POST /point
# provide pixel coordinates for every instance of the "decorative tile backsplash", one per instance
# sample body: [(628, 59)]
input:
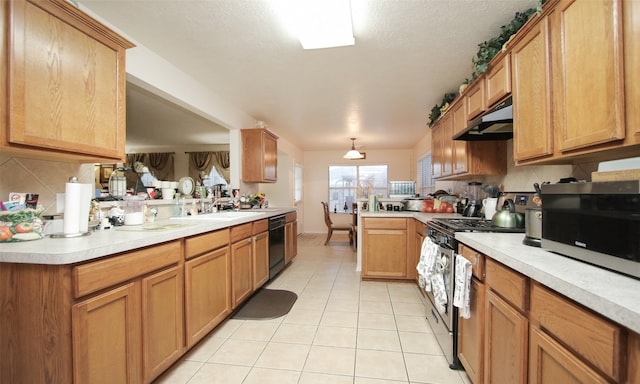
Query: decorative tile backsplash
[(45, 178)]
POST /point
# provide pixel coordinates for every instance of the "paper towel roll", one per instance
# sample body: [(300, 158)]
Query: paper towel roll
[(72, 196), (77, 203)]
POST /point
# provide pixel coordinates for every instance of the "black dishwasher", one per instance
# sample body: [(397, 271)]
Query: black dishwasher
[(276, 245)]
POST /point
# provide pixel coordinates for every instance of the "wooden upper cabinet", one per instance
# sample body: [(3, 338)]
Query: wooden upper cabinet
[(459, 148), (475, 98), (532, 124), (631, 22), (588, 74), (498, 80), (65, 76), (259, 156), (447, 145), (437, 136)]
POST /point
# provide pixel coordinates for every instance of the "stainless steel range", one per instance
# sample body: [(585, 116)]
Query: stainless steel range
[(443, 317)]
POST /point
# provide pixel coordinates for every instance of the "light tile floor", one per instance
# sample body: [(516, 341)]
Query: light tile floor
[(340, 330)]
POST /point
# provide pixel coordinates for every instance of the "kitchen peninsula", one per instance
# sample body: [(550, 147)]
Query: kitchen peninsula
[(122, 305)]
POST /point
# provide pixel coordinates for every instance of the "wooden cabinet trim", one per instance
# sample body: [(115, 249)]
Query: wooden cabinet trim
[(260, 226), (384, 223), (597, 340), (509, 284), (242, 231), (199, 244), (93, 276), (549, 360), (476, 259)]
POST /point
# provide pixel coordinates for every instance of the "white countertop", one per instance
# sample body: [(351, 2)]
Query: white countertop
[(119, 239), (613, 295)]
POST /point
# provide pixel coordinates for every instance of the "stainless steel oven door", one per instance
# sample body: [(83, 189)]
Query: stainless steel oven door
[(443, 318)]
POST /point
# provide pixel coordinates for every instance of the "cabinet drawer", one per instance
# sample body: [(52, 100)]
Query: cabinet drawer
[(260, 226), (508, 283), (475, 258), (293, 216), (594, 338), (200, 244), (94, 276), (241, 231), (384, 223)]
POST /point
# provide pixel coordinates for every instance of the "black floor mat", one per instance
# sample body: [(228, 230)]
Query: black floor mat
[(267, 304)]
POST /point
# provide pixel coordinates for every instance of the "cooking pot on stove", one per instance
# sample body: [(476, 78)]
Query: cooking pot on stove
[(508, 217)]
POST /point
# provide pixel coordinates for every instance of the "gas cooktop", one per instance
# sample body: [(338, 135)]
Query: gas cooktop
[(473, 224)]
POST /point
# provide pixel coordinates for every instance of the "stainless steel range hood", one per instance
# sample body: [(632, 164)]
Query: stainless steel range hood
[(495, 124)]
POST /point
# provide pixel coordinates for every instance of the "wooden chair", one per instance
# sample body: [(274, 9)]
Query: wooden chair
[(333, 227)]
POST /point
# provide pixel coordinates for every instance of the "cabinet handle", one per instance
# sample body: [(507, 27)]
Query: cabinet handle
[(249, 240)]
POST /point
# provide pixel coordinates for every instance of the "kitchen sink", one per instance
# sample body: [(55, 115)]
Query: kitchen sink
[(221, 216)]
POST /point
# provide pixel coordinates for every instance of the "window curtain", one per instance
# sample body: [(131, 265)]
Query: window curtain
[(161, 165), (205, 161)]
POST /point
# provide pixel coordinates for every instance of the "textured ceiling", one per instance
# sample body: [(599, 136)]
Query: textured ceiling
[(408, 53)]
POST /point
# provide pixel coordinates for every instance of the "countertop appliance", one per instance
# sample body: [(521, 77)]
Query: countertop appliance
[(596, 222), (276, 245), (495, 124)]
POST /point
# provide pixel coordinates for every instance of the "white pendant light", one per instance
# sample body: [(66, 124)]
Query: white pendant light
[(353, 154)]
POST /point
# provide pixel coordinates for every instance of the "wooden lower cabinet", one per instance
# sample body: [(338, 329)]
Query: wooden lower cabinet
[(550, 362), (505, 342), (241, 270), (384, 243), (418, 238), (207, 293), (260, 263), (107, 337), (633, 358), (290, 237), (471, 334), (162, 321)]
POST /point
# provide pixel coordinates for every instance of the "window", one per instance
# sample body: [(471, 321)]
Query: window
[(350, 182), (297, 194), (426, 184)]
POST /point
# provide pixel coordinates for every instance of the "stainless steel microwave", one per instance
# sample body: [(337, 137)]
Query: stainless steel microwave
[(597, 222)]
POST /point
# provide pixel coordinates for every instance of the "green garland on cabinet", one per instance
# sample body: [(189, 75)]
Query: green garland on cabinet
[(486, 52)]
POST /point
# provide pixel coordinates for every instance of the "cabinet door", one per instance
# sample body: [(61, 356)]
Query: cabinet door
[(532, 120), (384, 253), (241, 271), (550, 363), (505, 342), (259, 156), (471, 335), (459, 148), (447, 145), (498, 80), (66, 82), (260, 259), (162, 321), (437, 135), (588, 88), (475, 98), (107, 337), (418, 238), (631, 14), (633, 365), (207, 293)]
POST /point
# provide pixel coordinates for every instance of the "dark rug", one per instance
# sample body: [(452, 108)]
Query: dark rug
[(266, 304)]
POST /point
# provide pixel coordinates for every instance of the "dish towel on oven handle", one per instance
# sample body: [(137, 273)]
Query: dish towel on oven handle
[(427, 265), (462, 286)]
